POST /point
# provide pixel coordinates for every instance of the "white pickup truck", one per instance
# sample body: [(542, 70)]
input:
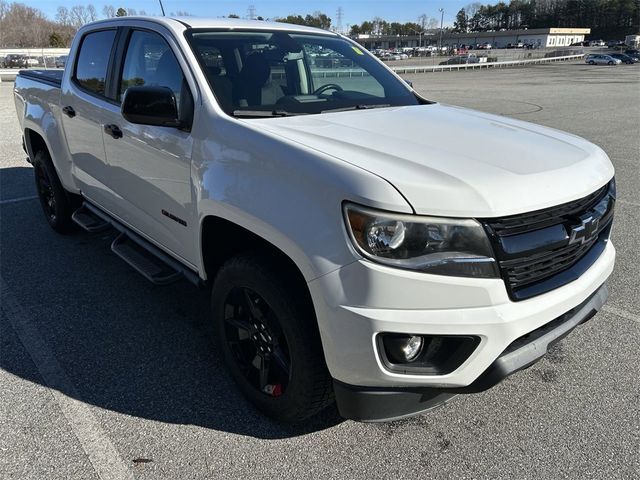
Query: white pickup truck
[(356, 247)]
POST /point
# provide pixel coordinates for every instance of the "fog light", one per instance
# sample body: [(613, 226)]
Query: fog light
[(425, 354), (403, 348)]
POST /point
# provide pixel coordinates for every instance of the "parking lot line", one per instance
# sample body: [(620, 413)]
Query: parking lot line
[(621, 313), (19, 199), (628, 202), (106, 461)]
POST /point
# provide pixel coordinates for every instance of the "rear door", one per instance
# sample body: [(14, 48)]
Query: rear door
[(83, 102), (150, 166)]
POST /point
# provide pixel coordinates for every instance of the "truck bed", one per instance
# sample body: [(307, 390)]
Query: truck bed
[(52, 77)]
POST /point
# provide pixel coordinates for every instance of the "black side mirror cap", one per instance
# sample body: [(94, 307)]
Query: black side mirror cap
[(151, 106)]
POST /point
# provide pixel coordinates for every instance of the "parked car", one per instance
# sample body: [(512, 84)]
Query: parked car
[(33, 62), (628, 59), (61, 61), (602, 60), (347, 257), (461, 59), (2, 65), (633, 52), (15, 61)]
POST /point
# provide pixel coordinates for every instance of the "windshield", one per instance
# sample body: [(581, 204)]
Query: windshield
[(276, 73)]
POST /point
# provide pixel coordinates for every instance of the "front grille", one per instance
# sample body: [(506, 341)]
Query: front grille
[(542, 218), (545, 249)]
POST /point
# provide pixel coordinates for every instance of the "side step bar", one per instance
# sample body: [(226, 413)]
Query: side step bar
[(88, 221), (147, 264), (147, 259)]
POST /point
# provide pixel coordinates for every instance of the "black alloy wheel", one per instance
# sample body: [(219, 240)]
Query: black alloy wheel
[(57, 204), (45, 193), (267, 335), (255, 338)]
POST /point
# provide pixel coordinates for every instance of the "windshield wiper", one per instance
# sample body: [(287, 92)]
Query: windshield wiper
[(363, 106), (264, 113)]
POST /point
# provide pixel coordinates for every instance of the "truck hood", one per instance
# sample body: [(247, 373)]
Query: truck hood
[(453, 161)]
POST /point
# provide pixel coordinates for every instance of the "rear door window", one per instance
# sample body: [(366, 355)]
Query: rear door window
[(93, 61)]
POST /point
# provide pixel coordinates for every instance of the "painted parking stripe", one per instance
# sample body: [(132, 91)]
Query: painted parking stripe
[(621, 313), (105, 459), (17, 200)]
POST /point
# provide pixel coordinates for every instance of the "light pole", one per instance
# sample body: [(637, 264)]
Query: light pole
[(441, 10), (419, 37)]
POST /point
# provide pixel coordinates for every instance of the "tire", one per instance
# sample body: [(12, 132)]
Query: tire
[(592, 62), (257, 306), (57, 204), (610, 63)]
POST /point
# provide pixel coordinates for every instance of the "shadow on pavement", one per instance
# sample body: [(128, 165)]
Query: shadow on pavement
[(126, 345)]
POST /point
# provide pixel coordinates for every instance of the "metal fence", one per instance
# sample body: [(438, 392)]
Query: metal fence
[(476, 66), (10, 74)]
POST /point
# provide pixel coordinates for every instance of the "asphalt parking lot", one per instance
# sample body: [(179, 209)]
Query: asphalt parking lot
[(103, 375)]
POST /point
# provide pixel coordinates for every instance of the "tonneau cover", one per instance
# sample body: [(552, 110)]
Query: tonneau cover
[(52, 77)]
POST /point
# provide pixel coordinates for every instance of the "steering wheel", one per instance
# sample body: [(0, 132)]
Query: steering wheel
[(328, 86)]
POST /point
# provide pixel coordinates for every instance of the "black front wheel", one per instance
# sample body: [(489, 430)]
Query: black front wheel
[(57, 204), (267, 334)]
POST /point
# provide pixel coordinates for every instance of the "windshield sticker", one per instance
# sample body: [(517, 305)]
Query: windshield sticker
[(357, 50)]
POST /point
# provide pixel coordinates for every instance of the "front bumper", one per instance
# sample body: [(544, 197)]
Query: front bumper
[(360, 300), (379, 404)]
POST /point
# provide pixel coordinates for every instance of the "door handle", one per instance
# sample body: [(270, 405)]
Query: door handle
[(69, 111), (113, 130)]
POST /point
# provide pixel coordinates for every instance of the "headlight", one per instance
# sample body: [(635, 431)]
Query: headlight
[(441, 246)]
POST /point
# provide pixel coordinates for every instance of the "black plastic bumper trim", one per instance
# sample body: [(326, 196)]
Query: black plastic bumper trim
[(369, 404), (379, 404)]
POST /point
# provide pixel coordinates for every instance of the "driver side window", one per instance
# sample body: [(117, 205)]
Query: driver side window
[(149, 61), (330, 67)]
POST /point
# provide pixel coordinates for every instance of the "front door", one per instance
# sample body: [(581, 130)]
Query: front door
[(150, 166)]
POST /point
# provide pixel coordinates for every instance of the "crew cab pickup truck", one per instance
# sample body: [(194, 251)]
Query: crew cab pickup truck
[(355, 249)]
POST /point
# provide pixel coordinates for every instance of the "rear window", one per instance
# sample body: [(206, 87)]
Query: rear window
[(93, 61)]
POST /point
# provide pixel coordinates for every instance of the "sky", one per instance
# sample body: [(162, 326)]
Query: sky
[(354, 11)]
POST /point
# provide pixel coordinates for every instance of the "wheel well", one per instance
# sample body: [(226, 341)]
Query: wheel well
[(222, 239), (34, 143)]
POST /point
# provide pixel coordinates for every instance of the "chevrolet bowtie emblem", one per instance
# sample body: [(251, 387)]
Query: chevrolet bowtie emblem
[(586, 230)]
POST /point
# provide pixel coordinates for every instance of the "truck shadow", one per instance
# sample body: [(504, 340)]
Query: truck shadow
[(126, 345)]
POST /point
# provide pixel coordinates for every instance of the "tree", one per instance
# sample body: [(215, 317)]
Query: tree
[(293, 19), (109, 11), (80, 15), (91, 13), (63, 17), (121, 12), (461, 24), (318, 20), (233, 15), (56, 40)]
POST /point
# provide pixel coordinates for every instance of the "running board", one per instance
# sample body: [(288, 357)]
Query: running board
[(147, 259), (88, 221), (149, 265)]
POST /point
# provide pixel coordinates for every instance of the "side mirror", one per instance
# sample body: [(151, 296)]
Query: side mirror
[(151, 106)]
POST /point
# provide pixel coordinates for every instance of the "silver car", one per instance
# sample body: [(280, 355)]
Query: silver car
[(602, 60)]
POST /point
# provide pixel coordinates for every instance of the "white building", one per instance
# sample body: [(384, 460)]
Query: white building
[(632, 40), (540, 37)]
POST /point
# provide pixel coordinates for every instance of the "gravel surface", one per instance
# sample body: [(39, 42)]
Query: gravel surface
[(96, 365)]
